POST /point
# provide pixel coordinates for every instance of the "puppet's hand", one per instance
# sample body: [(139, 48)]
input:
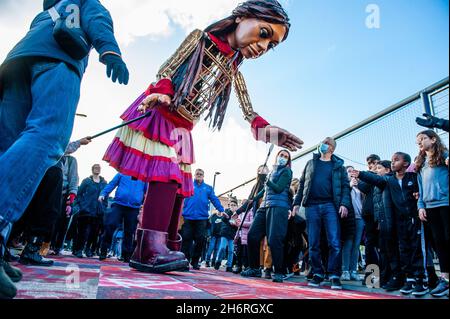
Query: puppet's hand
[(153, 99), (282, 138)]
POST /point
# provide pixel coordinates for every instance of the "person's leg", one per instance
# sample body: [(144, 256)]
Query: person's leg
[(347, 247), (175, 240), (221, 252), (244, 256), (188, 238), (199, 240), (212, 245), (353, 265), (255, 236), (230, 244), (332, 228), (33, 132), (61, 227), (129, 228), (314, 225), (45, 205), (276, 228), (82, 234), (112, 221), (371, 241)]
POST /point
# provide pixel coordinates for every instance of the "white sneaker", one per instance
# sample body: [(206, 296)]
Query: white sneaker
[(345, 276)]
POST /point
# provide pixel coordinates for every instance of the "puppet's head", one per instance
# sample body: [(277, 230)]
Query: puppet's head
[(254, 27)]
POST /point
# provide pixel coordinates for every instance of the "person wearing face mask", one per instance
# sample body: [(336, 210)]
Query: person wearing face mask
[(272, 220), (325, 193)]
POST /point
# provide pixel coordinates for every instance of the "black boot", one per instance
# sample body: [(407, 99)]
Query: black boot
[(103, 254), (7, 288), (14, 273), (31, 256)]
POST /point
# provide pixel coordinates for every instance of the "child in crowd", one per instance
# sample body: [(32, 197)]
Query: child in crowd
[(432, 169), (403, 188)]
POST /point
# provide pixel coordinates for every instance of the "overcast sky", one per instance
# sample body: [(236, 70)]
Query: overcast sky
[(332, 72)]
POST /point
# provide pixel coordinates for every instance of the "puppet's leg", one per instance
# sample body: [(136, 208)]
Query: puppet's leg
[(151, 253), (175, 239)]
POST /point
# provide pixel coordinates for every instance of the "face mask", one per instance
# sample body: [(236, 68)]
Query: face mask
[(323, 148), (282, 161)]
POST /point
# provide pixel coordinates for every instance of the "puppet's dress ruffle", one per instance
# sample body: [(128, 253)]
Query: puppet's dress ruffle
[(158, 148)]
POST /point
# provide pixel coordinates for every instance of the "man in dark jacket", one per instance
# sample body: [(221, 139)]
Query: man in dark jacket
[(90, 212), (325, 193), (128, 200), (196, 214)]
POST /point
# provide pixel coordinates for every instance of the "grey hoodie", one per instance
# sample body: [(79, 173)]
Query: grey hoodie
[(433, 186)]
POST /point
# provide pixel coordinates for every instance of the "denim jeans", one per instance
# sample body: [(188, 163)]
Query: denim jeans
[(224, 243), (213, 249), (326, 215), (37, 111), (350, 248)]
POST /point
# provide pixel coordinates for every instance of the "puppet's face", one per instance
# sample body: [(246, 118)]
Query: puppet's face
[(254, 37)]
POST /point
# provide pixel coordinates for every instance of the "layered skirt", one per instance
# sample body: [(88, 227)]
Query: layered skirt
[(158, 148)]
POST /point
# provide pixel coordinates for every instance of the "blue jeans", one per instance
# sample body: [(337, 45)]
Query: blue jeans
[(325, 214), (213, 248), (350, 248), (224, 243), (37, 111)]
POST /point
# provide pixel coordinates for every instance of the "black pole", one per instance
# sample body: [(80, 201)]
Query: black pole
[(252, 195), (121, 125)]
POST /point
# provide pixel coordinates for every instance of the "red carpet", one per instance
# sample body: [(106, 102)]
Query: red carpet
[(73, 278)]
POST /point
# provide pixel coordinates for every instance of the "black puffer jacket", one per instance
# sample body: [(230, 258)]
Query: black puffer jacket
[(341, 184), (382, 203), (402, 200), (341, 192)]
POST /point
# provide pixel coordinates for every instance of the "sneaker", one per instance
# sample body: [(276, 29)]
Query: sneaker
[(408, 287), (277, 278), (79, 254), (336, 284), (229, 269), (354, 276), (251, 272), (394, 284), (316, 281), (441, 290), (267, 273), (288, 275), (217, 265), (207, 264), (238, 270), (310, 276), (420, 289), (196, 267), (345, 276)]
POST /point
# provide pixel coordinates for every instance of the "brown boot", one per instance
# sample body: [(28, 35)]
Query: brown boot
[(152, 255)]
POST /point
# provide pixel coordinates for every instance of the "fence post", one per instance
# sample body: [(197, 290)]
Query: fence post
[(426, 103)]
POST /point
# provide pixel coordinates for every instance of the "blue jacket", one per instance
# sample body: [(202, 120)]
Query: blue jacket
[(95, 20), (196, 206), (130, 193)]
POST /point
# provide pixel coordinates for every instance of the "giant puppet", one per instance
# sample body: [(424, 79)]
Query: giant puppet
[(197, 79)]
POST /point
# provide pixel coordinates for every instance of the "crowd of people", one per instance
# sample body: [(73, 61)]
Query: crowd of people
[(316, 220), (397, 211)]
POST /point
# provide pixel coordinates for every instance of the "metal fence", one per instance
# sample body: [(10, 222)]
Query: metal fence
[(391, 130)]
